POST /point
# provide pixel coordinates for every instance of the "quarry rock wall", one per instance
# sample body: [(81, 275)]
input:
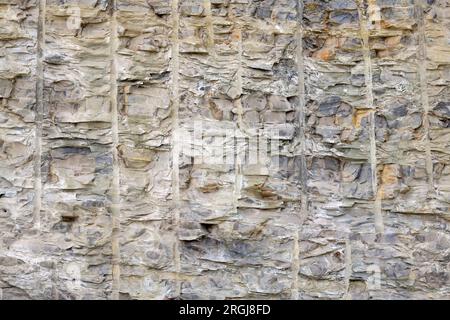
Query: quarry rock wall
[(224, 149)]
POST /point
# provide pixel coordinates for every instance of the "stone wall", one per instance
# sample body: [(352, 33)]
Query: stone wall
[(270, 149)]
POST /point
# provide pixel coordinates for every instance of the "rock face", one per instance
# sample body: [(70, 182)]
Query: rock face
[(163, 149)]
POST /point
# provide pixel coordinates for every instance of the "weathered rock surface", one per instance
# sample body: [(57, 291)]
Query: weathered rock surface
[(114, 115)]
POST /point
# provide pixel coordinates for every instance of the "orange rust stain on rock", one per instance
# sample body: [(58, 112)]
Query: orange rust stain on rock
[(358, 115), (389, 180), (328, 51), (324, 54), (390, 174)]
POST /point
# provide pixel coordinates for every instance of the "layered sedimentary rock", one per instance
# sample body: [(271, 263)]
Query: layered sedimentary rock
[(224, 149)]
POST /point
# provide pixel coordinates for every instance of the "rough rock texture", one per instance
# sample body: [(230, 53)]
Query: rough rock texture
[(103, 195)]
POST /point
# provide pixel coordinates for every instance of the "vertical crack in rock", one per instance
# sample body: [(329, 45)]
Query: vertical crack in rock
[(302, 142), (175, 69), (422, 66), (368, 75), (115, 208), (39, 115), (348, 267), (210, 27), (301, 116), (240, 122), (296, 266), (236, 93)]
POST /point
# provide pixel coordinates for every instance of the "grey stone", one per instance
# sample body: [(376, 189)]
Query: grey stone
[(322, 164)]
